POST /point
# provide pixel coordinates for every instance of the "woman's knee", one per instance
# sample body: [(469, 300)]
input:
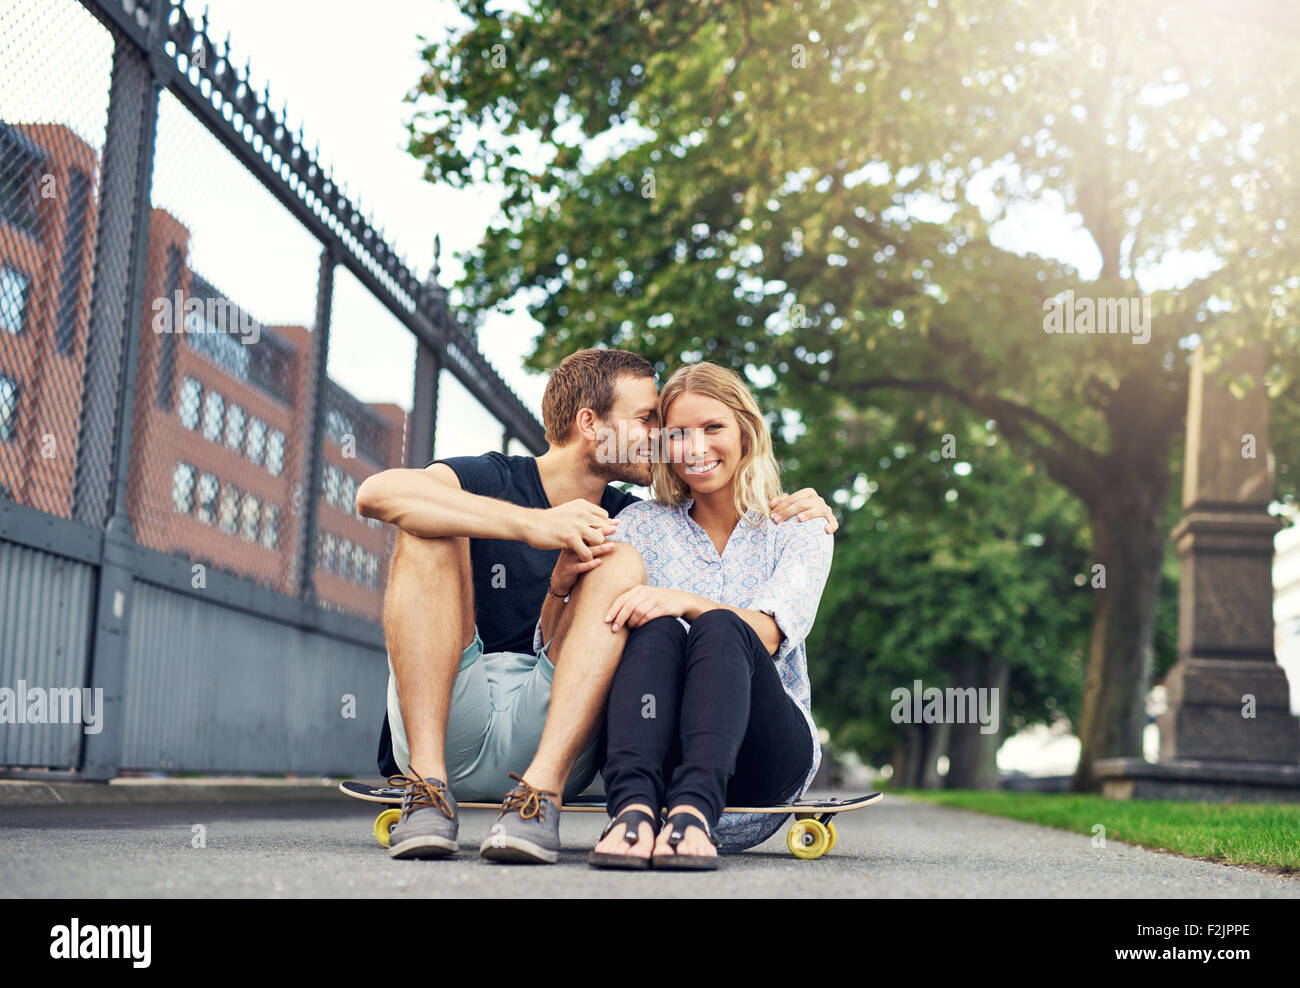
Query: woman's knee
[(719, 623), (720, 636), (659, 645), (656, 635)]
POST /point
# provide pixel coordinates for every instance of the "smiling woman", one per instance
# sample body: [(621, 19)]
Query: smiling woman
[(709, 414), (711, 701)]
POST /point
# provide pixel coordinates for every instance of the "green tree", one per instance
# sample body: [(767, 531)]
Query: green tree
[(808, 189), (965, 569)]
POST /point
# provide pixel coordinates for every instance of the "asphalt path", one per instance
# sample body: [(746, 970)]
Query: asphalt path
[(321, 848)]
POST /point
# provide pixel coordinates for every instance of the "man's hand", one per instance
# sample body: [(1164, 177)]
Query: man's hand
[(569, 566), (640, 604), (803, 504), (575, 525)]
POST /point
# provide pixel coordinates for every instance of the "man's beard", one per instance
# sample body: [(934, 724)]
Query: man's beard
[(627, 473)]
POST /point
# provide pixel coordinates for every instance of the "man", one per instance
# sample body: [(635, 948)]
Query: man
[(483, 543)]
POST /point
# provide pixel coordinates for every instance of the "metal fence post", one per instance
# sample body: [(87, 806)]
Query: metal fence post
[(313, 455), (424, 408), (117, 309), (432, 301)]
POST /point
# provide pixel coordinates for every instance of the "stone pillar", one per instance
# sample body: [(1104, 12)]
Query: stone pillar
[(1225, 610), (1228, 729)]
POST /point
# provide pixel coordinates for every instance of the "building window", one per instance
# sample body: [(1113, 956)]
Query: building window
[(250, 514), (13, 298), (337, 425), (275, 452), (22, 163), (325, 552), (208, 488), (8, 406), (348, 494), (234, 427), (345, 559), (191, 394), (372, 569), (228, 511), (270, 526), (359, 563), (255, 446), (183, 488), (332, 476), (213, 406), (216, 334)]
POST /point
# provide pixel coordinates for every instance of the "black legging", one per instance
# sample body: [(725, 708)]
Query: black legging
[(705, 711)]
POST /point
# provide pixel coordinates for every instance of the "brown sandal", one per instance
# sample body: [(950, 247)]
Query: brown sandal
[(631, 820), (685, 862)]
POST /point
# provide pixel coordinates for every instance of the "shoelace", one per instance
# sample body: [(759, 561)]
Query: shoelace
[(421, 793), (529, 803)]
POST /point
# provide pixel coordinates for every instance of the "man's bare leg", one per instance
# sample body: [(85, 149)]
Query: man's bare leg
[(428, 610), (585, 654)]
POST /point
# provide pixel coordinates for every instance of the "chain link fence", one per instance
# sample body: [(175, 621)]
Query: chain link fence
[(371, 355), (247, 267), (54, 94), (222, 400)]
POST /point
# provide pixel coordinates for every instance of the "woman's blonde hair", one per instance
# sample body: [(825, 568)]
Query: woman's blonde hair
[(757, 478)]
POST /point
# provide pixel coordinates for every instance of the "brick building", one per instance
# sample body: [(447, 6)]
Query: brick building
[(48, 212), (220, 407)]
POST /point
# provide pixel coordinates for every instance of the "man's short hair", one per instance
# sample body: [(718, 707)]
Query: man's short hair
[(586, 379)]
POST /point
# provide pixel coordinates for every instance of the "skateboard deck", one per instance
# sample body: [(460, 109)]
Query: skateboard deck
[(392, 795), (810, 836)]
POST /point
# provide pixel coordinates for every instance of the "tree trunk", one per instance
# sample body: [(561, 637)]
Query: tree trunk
[(934, 744), (909, 770), (916, 757), (898, 761), (1128, 538), (972, 754)]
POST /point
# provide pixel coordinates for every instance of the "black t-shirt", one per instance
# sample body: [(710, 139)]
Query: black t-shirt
[(510, 578)]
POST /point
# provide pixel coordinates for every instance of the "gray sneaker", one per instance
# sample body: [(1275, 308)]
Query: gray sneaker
[(429, 823), (527, 828)]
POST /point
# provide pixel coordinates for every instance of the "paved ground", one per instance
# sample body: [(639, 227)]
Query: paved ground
[(321, 847)]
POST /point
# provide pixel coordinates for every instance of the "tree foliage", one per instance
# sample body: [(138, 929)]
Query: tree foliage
[(811, 191)]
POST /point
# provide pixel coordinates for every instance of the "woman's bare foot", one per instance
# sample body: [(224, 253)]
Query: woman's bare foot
[(613, 842), (693, 842)]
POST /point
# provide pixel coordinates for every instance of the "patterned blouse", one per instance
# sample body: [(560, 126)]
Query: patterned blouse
[(779, 569)]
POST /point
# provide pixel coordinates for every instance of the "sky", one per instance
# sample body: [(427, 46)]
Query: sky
[(343, 71)]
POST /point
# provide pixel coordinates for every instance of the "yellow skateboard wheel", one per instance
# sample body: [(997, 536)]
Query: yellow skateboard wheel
[(385, 822), (808, 839), (830, 829)]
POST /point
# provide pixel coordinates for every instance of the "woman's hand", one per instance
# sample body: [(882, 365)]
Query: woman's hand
[(640, 604), (570, 565), (804, 504)]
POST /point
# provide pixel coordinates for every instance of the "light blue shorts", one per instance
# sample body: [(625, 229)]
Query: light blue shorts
[(498, 708)]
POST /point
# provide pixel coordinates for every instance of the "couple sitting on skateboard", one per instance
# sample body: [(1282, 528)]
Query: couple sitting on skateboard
[(481, 690)]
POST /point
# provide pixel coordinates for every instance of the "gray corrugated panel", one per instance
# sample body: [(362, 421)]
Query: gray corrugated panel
[(45, 614), (213, 689)]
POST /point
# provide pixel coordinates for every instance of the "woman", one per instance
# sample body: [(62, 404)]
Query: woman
[(710, 704)]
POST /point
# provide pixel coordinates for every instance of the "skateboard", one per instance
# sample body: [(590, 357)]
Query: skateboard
[(810, 836)]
